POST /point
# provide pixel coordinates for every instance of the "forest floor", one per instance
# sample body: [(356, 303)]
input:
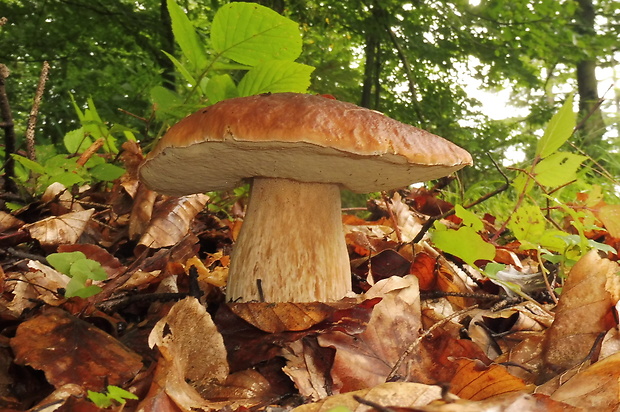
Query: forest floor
[(147, 326)]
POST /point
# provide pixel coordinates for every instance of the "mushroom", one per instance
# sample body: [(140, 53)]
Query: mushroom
[(298, 150)]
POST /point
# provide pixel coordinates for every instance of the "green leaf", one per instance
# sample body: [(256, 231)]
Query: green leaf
[(62, 261), (106, 172), (87, 268), (220, 87), (76, 141), (558, 131), (558, 169), (276, 76), (29, 164), (99, 399), (165, 100), (75, 288), (469, 218), (528, 223), (249, 33), (182, 69), (464, 243), (186, 36), (120, 394)]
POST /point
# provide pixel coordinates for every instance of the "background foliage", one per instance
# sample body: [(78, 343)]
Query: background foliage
[(411, 60)]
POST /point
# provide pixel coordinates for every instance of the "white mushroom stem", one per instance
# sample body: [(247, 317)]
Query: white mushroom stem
[(291, 245)]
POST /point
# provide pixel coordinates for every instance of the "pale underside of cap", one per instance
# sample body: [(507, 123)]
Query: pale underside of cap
[(302, 137)]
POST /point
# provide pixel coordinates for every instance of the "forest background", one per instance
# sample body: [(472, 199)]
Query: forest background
[(415, 61)]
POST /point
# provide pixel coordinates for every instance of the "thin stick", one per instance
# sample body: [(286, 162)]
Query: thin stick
[(34, 112), (426, 333), (9, 132)]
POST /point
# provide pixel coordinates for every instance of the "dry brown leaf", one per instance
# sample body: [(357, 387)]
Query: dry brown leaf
[(39, 283), (609, 215), (171, 220), (141, 211), (308, 367), (8, 222), (475, 381), (401, 394), (192, 356), (60, 200), (510, 402), (409, 224), (280, 317), (365, 360), (70, 350), (65, 229), (596, 388), (583, 313)]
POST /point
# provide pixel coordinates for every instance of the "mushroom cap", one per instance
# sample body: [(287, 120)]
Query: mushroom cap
[(307, 138)]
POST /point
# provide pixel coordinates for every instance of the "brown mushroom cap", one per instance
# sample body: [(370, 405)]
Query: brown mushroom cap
[(302, 137)]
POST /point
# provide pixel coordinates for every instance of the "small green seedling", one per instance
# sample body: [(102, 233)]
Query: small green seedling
[(111, 393), (80, 269)]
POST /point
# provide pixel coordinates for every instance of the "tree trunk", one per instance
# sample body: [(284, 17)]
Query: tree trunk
[(592, 123)]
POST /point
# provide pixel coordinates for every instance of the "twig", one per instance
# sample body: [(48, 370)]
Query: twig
[(34, 112), (9, 133), (429, 223), (426, 333)]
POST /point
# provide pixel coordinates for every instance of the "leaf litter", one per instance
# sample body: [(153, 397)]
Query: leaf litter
[(423, 330)]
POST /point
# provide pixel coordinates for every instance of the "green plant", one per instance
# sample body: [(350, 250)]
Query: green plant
[(111, 393), (81, 270), (550, 172), (70, 169), (247, 40)]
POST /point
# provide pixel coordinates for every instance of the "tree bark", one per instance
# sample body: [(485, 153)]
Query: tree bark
[(592, 125)]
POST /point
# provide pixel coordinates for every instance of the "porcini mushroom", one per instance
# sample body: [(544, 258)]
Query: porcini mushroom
[(298, 150)]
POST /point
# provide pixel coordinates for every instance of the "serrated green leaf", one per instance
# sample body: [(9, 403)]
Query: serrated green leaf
[(76, 141), (29, 164), (249, 33), (186, 36), (220, 87), (106, 172), (558, 131), (274, 77), (528, 224), (62, 261), (67, 179), (558, 169), (464, 243), (182, 69)]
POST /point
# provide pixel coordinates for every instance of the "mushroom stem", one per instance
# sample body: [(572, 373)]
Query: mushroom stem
[(291, 243)]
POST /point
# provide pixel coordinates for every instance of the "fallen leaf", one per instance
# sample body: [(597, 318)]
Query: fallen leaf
[(308, 366), (141, 211), (595, 388), (609, 215), (366, 359), (476, 381), (171, 220), (193, 355), (280, 317), (583, 313), (70, 350), (40, 282), (8, 222), (401, 394), (65, 229)]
